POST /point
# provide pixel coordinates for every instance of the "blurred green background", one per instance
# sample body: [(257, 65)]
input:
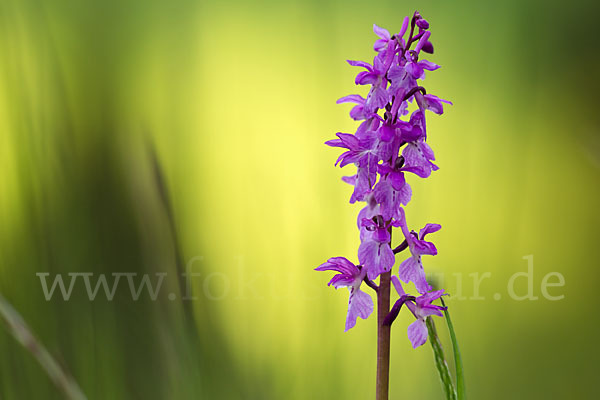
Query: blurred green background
[(159, 137)]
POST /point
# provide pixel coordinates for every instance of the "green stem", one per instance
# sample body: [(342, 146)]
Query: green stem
[(21, 332), (440, 361), (460, 379)]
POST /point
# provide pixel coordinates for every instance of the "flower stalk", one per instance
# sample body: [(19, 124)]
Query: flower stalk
[(383, 338)]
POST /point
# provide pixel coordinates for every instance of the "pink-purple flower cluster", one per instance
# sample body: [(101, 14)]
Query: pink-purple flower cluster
[(389, 145)]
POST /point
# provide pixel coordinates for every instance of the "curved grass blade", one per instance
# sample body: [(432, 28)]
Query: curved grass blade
[(20, 331), (460, 379), (440, 361)]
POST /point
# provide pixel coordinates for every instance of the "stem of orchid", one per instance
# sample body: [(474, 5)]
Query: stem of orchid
[(383, 337)]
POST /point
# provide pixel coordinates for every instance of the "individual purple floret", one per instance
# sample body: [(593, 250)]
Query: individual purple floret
[(421, 308), (375, 253), (351, 276), (358, 111), (392, 191), (375, 76), (411, 269)]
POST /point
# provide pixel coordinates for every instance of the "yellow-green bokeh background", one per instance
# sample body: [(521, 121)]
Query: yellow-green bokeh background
[(230, 102)]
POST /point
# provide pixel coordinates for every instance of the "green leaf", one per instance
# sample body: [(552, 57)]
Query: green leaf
[(440, 361), (460, 379)]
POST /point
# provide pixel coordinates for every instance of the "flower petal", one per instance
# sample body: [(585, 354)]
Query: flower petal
[(396, 73), (366, 78), (428, 47), (339, 264), (429, 228), (414, 158), (421, 247), (360, 64), (341, 280), (351, 98), (375, 257), (351, 180), (358, 112), (397, 180), (387, 198), (386, 132), (405, 194), (378, 97), (359, 305), (380, 44), (427, 298), (404, 27), (422, 41), (422, 23), (414, 69), (417, 333), (411, 134), (381, 32), (428, 65), (411, 270), (368, 212)]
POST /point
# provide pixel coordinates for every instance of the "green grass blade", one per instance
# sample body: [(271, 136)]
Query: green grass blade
[(17, 327), (440, 361), (460, 379)]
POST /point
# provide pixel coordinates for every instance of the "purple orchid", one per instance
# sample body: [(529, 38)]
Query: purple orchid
[(401, 81), (375, 253), (411, 269), (421, 308), (417, 153), (384, 38), (374, 75), (390, 142), (415, 67), (361, 152), (360, 304), (362, 183), (431, 102), (381, 44), (380, 178), (419, 157), (369, 211), (392, 190), (358, 111)]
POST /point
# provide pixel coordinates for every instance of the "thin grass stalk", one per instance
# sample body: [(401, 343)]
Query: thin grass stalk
[(440, 361), (17, 327)]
